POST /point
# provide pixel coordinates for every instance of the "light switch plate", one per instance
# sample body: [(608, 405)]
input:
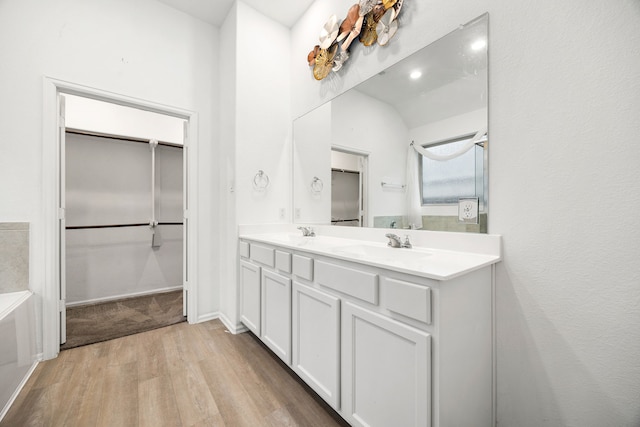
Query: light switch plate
[(468, 210)]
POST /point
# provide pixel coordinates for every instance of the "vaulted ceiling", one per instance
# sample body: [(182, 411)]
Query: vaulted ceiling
[(285, 12)]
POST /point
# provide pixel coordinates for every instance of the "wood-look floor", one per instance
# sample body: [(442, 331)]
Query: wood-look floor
[(181, 375)]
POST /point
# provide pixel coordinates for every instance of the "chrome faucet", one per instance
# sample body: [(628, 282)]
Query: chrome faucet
[(396, 242), (307, 231)]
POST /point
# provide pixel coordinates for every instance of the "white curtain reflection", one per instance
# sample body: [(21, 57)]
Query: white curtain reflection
[(414, 214)]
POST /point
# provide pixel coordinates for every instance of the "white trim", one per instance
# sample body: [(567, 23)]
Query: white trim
[(494, 351), (49, 219), (50, 290), (234, 329), (192, 238), (209, 316), (15, 394), (123, 296)]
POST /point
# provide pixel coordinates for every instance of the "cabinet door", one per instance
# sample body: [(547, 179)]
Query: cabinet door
[(250, 296), (316, 341), (276, 314), (386, 371)]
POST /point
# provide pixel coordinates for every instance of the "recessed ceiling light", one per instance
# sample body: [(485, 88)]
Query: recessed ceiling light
[(415, 74), (479, 44)]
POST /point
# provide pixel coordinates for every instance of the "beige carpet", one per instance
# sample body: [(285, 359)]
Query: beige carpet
[(93, 323)]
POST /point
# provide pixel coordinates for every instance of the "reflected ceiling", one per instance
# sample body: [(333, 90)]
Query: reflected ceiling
[(452, 59)]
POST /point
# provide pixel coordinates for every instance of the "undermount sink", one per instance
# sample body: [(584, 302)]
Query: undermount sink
[(382, 253)]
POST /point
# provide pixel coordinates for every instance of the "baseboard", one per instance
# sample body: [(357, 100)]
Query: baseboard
[(15, 394), (209, 316), (117, 297), (234, 329)]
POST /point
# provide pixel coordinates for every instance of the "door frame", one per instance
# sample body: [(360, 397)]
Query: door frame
[(363, 160), (51, 180)]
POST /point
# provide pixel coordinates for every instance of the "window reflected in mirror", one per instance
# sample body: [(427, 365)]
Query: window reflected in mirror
[(444, 182)]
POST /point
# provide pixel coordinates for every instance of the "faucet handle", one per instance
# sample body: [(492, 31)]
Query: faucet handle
[(394, 240), (406, 243), (307, 231)]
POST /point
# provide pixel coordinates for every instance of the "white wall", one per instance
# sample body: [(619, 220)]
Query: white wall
[(257, 134), (263, 125), (227, 165), (363, 123), (564, 98), (451, 127), (563, 123), (98, 116), (138, 48), (312, 158)]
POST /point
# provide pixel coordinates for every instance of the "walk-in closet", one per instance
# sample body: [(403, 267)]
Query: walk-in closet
[(123, 224), (348, 205)]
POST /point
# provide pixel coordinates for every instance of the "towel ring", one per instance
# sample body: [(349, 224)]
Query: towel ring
[(260, 181), (316, 185)]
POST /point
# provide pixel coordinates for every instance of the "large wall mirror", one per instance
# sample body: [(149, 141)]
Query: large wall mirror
[(353, 163)]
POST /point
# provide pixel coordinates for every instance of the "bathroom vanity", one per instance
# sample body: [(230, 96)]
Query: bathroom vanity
[(387, 337)]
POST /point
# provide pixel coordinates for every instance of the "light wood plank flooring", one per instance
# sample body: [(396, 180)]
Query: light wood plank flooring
[(181, 375)]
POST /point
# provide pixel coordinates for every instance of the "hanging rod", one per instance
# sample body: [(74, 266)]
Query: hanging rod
[(345, 220), (345, 171), (118, 137), (141, 224), (392, 185)]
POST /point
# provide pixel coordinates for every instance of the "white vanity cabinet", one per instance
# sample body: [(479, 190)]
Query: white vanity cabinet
[(276, 314), (382, 347), (316, 341), (265, 295), (386, 370), (249, 281)]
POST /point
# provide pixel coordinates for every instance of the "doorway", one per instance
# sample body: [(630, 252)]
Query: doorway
[(54, 172), (122, 240), (348, 188), (123, 234)]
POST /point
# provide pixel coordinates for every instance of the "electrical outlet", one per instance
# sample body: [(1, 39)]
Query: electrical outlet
[(282, 213), (468, 210), (297, 213)]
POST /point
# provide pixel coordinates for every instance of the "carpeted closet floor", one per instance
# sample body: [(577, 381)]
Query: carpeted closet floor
[(93, 323)]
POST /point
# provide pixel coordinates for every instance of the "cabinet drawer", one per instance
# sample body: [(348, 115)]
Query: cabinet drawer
[(358, 284), (262, 254), (244, 249), (406, 298), (303, 267), (283, 261)]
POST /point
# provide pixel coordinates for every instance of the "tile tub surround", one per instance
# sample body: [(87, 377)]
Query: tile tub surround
[(14, 256), (435, 223)]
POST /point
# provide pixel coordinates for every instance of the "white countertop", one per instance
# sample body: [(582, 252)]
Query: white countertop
[(432, 263)]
